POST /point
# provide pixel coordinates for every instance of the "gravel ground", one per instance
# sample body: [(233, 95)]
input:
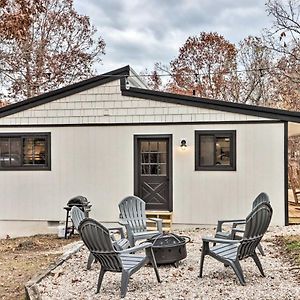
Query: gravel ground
[(73, 281)]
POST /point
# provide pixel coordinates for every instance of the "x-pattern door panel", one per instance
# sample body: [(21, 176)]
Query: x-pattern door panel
[(153, 173)]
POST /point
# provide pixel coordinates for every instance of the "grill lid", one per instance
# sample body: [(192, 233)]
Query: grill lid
[(78, 201)]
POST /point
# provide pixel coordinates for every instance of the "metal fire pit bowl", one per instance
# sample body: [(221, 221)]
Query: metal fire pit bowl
[(168, 248)]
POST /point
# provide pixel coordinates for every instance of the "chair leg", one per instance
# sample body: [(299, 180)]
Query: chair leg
[(124, 283), (258, 263), (204, 251), (131, 240), (90, 261), (238, 271), (260, 249), (202, 261), (101, 274), (153, 262)]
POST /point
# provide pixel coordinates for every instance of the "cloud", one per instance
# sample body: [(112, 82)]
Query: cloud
[(142, 32)]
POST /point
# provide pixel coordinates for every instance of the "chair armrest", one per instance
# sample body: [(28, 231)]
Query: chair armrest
[(135, 248), (221, 222), (122, 222), (158, 222), (220, 241), (237, 223), (238, 230), (118, 230)]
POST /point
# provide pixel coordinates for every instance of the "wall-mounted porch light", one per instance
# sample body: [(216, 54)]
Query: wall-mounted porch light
[(183, 144)]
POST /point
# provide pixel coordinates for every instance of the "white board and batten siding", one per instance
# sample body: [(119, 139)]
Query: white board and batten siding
[(98, 161)]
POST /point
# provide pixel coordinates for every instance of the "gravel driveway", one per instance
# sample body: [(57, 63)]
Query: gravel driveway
[(73, 281)]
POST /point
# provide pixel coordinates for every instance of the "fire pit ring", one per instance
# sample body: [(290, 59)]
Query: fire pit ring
[(168, 248)]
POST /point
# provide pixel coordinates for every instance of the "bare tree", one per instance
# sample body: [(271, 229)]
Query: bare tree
[(284, 37), (284, 40), (255, 62), (44, 45)]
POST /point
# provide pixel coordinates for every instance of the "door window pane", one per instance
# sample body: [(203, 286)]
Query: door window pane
[(145, 169), (153, 158), (162, 147), (153, 169), (144, 147), (163, 169), (162, 158), (153, 146), (145, 157)]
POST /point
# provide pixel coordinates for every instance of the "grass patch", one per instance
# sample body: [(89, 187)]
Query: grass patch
[(292, 245), (289, 248)]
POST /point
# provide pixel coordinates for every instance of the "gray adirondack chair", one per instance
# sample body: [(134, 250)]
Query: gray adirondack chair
[(236, 230), (97, 239), (133, 217), (77, 215), (230, 252)]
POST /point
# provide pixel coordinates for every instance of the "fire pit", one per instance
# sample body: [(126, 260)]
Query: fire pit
[(80, 202), (169, 248)]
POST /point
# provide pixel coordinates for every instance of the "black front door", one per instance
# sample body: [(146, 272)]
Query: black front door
[(153, 173)]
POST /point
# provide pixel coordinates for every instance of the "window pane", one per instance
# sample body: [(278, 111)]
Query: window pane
[(163, 169), (15, 151), (144, 147), (145, 169), (10, 152), (153, 169), (223, 151), (153, 146), (207, 150), (153, 157), (40, 151), (162, 147), (28, 151), (162, 158), (34, 151), (4, 152), (145, 157)]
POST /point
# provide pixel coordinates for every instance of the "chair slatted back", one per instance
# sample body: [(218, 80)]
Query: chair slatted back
[(132, 209), (257, 224), (77, 215), (262, 197), (97, 239)]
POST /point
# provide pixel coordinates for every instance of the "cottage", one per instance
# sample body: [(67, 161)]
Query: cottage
[(109, 136)]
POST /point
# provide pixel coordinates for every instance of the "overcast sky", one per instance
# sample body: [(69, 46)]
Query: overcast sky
[(142, 32)]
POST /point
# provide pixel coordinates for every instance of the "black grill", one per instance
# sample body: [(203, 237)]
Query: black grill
[(82, 203)]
